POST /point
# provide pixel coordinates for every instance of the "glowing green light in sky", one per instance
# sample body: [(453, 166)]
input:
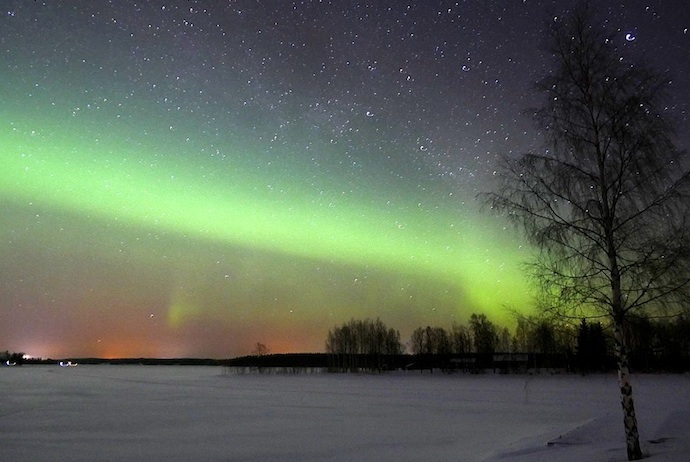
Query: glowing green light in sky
[(231, 202)]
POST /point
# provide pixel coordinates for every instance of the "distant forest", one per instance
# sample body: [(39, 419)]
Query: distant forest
[(656, 345), (535, 344)]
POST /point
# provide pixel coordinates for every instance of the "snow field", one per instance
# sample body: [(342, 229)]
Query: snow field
[(166, 413)]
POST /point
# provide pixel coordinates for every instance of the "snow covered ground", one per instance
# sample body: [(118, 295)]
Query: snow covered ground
[(162, 413)]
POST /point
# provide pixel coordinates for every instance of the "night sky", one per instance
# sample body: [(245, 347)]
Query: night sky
[(186, 178)]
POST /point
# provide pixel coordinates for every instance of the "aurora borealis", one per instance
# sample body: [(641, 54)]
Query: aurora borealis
[(190, 178)]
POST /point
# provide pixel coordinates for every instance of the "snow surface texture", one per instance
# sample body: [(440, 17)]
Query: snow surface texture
[(161, 413)]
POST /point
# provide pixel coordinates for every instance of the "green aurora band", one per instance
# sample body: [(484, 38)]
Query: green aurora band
[(113, 179)]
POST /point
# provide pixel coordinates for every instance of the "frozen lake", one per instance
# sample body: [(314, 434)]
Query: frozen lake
[(165, 413)]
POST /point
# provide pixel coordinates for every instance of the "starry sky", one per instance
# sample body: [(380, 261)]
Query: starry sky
[(188, 178)]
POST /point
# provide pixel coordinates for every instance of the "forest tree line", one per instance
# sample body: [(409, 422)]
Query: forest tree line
[(366, 344)]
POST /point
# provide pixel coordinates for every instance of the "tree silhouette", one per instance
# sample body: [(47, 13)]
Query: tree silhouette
[(461, 340), (362, 344), (591, 347), (484, 334), (260, 350), (606, 201)]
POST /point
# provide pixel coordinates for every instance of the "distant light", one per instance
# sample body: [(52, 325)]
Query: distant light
[(630, 37)]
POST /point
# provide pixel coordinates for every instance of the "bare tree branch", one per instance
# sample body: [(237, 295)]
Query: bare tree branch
[(606, 202)]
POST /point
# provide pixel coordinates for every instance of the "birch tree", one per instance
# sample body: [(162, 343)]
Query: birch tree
[(605, 200)]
